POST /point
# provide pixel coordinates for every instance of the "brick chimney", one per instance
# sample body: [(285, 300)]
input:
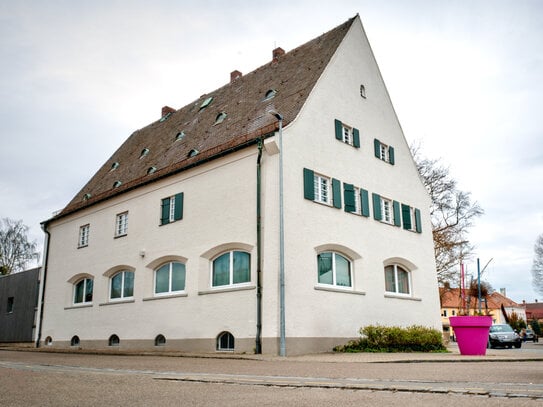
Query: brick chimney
[(235, 75), (166, 110), (276, 53)]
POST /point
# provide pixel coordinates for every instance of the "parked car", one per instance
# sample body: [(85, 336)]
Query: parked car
[(531, 335), (503, 335)]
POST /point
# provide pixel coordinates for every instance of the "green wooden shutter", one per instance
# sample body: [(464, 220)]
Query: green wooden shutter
[(364, 200), (336, 193), (339, 129), (397, 214), (178, 209), (391, 155), (418, 223), (348, 196), (309, 184), (377, 148), (377, 207), (165, 211), (406, 217), (356, 138)]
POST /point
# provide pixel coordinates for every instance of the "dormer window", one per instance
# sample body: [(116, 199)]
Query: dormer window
[(114, 166), (86, 197), (117, 184), (220, 118), (144, 153), (151, 170), (193, 153), (180, 136), (206, 103), (270, 94)]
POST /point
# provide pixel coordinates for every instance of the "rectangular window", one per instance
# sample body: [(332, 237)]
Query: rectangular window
[(383, 151), (171, 209), (353, 199), (322, 189), (121, 224), (11, 301), (444, 312), (386, 210), (411, 218), (347, 134), (83, 236)]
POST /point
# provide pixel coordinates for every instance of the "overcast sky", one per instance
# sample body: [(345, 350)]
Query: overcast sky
[(465, 77)]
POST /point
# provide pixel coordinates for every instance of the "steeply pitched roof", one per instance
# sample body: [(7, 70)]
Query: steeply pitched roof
[(293, 75)]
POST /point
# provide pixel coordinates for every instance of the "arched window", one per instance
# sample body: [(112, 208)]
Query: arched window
[(397, 280), (231, 268), (48, 341), (83, 291), (74, 341), (114, 340), (170, 278), (334, 269), (122, 285), (160, 340), (225, 341)]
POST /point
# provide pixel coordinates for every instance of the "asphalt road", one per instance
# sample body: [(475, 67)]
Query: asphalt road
[(50, 379)]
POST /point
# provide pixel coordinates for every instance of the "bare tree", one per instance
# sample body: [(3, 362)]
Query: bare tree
[(452, 213), (15, 248), (537, 266)]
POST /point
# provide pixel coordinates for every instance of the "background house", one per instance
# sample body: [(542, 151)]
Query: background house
[(180, 239), (18, 302)]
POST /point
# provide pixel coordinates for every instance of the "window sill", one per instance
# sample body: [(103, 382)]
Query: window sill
[(79, 306), (402, 297), (119, 236), (82, 246), (227, 289), (113, 302), (339, 290), (163, 297)]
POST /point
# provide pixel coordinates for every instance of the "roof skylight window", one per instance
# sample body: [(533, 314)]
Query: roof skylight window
[(270, 94), (117, 184), (114, 166), (180, 136), (144, 152), (86, 197), (193, 153), (220, 118), (165, 117), (206, 103), (151, 170)]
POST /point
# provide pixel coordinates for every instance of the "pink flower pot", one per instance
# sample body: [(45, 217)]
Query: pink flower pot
[(471, 333)]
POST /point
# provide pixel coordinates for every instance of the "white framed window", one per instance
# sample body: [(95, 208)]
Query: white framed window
[(322, 189), (225, 341), (386, 210), (121, 224), (170, 278), (231, 268), (384, 151), (334, 269), (171, 209), (121, 285), (397, 280), (347, 133), (357, 203), (83, 291), (83, 236)]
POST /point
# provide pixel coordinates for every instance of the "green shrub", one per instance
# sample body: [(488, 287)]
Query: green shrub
[(378, 338)]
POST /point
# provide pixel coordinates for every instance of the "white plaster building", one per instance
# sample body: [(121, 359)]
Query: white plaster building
[(176, 244)]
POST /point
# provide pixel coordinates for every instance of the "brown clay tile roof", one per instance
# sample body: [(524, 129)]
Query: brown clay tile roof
[(293, 75), (450, 298)]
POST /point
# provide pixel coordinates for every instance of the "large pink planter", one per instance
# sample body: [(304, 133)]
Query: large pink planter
[(471, 333)]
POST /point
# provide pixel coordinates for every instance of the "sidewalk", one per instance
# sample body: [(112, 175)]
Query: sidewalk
[(532, 353)]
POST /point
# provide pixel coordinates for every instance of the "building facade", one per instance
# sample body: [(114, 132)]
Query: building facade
[(277, 214)]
